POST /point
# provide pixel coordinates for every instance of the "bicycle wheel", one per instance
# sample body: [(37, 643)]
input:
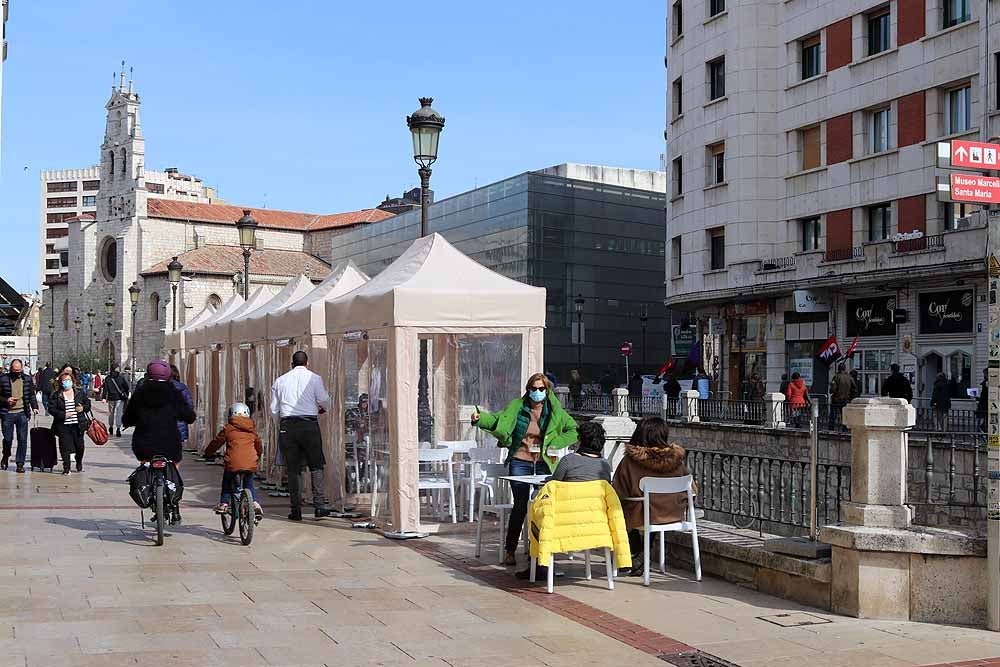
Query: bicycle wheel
[(229, 519), (246, 517), (161, 514)]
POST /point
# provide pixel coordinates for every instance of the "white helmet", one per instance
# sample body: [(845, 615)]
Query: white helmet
[(240, 409)]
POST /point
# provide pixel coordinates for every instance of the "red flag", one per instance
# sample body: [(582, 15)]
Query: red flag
[(667, 367), (829, 352), (850, 350)]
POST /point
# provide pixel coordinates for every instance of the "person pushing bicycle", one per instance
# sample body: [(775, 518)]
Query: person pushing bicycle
[(243, 451)]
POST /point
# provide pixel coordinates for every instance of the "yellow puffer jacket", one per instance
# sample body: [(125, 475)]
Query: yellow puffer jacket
[(575, 516)]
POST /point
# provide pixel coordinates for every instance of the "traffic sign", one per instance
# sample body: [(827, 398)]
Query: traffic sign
[(974, 155), (626, 349), (973, 188)]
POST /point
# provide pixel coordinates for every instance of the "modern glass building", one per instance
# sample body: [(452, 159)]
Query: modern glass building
[(596, 232)]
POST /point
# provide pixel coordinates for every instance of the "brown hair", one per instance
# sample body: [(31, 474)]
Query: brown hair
[(651, 432), (535, 378), (68, 374)]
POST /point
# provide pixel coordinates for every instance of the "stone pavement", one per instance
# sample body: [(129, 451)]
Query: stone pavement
[(82, 584)]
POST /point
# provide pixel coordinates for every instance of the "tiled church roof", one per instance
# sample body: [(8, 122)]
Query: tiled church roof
[(224, 213), (228, 260)]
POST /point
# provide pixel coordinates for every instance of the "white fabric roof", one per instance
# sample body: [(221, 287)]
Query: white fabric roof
[(260, 297), (204, 334), (307, 316), (252, 326), (433, 284), (175, 339)]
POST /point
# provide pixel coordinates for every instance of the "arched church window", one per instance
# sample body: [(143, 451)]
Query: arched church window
[(65, 315), (108, 258), (215, 301), (124, 166), (111, 161), (154, 307)]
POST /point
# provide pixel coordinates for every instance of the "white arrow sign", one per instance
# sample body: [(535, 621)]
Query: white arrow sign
[(961, 153)]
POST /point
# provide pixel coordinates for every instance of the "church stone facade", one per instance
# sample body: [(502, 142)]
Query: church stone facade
[(134, 234)]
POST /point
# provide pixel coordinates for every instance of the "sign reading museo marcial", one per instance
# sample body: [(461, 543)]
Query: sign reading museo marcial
[(947, 312), (871, 317), (810, 301)]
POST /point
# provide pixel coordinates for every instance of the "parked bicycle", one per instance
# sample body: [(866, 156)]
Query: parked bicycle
[(241, 511)]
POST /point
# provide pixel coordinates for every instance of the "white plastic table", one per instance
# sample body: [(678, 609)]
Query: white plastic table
[(533, 480)]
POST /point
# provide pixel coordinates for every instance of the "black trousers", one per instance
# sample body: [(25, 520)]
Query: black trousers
[(70, 442), (301, 443)]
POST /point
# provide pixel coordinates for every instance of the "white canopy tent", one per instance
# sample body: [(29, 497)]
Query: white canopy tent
[(175, 343), (483, 334)]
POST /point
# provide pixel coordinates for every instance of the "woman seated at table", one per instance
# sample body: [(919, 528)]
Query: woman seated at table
[(649, 454), (528, 427), (587, 464)]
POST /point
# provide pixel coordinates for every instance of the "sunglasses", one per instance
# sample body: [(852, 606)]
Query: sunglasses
[(542, 388)]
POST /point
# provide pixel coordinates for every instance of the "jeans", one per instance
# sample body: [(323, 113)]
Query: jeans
[(521, 493), (229, 485), (18, 421), (45, 402), (836, 415), (301, 443), (115, 415)]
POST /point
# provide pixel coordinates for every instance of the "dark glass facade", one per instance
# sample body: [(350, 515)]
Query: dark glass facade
[(604, 242)]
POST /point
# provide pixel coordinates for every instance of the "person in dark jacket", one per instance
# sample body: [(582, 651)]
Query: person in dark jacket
[(115, 391), (941, 401), (672, 388), (175, 379), (897, 385), (154, 410), (982, 403), (783, 387), (635, 393), (68, 406), (46, 384), (17, 404)]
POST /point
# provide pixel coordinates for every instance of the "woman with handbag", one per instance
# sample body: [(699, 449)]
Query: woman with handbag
[(68, 406)]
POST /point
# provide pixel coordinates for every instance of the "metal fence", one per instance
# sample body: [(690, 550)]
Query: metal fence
[(933, 242), (952, 421), (753, 489), (738, 412), (952, 470)]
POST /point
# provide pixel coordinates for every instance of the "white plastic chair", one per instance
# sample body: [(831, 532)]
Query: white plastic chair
[(491, 492), (652, 485), (609, 567), (437, 474), (478, 457)]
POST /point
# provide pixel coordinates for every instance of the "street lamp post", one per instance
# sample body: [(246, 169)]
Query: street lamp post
[(52, 329), (90, 316), (578, 303), (31, 330), (174, 269), (109, 310), (133, 295), (644, 321), (76, 323), (247, 227), (425, 127)]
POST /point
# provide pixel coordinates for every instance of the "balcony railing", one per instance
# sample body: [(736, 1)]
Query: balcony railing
[(777, 263), (843, 254), (916, 245)]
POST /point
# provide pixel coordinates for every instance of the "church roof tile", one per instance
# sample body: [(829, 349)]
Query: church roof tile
[(228, 260), (224, 213)]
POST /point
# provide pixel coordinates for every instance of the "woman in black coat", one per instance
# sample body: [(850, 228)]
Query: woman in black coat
[(68, 406), (154, 409)]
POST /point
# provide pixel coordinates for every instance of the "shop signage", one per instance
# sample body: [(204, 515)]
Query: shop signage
[(810, 301), (947, 312), (871, 317), (972, 188), (907, 236), (804, 367), (683, 339), (735, 310)]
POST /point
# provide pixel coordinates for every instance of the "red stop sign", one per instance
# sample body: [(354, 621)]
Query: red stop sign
[(626, 349)]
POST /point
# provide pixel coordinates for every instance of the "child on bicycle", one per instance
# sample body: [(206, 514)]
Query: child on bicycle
[(243, 450)]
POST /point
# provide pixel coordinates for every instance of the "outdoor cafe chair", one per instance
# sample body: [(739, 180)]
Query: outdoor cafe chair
[(654, 485), (491, 492), (436, 473)]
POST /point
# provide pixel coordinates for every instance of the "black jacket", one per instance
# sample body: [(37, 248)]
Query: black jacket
[(941, 395), (58, 408), (47, 381), (897, 386), (672, 388), (154, 410), (115, 387), (6, 390)]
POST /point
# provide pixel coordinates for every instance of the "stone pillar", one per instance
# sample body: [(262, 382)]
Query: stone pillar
[(619, 402), (562, 393), (774, 410), (689, 405), (878, 462), (617, 431)]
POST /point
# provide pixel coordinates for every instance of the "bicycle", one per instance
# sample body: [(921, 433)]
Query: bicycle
[(157, 466), (241, 511)]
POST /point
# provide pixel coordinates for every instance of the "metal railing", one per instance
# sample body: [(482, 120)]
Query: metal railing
[(843, 254), (777, 263), (754, 489), (739, 412), (601, 404), (933, 242), (952, 421), (953, 469)]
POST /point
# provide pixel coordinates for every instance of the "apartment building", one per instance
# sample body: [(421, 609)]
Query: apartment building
[(802, 203), (67, 194)]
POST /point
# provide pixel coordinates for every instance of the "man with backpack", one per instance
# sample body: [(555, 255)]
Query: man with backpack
[(115, 391)]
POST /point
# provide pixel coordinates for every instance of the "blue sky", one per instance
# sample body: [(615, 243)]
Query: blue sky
[(303, 101)]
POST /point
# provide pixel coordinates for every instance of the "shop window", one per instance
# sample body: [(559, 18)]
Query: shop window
[(958, 111), (878, 31), (810, 234), (960, 373), (810, 141), (955, 12), (873, 369), (879, 222), (810, 56), (717, 241)]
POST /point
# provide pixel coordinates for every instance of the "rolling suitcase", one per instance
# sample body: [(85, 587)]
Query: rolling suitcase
[(43, 449)]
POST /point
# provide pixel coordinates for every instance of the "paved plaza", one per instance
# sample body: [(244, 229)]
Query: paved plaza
[(82, 584)]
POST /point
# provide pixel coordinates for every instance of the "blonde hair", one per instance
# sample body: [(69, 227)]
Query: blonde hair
[(535, 378)]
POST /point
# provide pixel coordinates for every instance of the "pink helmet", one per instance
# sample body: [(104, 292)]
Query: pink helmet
[(158, 370)]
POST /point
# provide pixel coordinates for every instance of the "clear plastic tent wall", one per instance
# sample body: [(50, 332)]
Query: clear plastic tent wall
[(438, 328), (177, 350)]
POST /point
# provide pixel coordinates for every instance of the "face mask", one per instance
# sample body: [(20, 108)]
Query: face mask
[(537, 395), (67, 384)]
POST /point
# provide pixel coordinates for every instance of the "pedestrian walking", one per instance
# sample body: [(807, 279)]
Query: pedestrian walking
[(98, 384), (635, 393), (115, 391), (941, 401), (17, 404), (798, 399), (175, 378), (897, 385), (755, 390), (841, 389), (46, 384), (982, 403), (856, 381), (297, 399), (69, 405), (783, 387), (85, 379), (576, 388)]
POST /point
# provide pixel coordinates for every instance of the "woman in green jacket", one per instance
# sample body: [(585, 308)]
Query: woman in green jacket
[(529, 427)]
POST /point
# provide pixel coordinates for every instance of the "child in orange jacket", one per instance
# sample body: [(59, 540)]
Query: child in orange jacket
[(243, 450)]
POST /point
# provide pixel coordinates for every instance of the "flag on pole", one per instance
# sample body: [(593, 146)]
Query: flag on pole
[(829, 352), (850, 350)]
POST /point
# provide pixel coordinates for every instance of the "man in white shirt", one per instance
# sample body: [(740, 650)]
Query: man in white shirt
[(297, 399)]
